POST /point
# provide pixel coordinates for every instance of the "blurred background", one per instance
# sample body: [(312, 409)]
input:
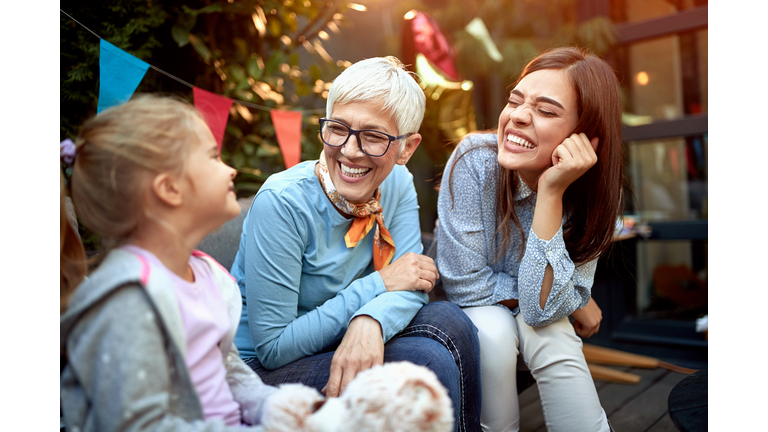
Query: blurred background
[(284, 54)]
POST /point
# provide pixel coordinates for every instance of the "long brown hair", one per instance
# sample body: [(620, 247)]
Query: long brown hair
[(592, 202), (72, 261)]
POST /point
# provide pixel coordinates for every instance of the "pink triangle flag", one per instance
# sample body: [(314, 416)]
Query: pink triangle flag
[(214, 109), (288, 130)]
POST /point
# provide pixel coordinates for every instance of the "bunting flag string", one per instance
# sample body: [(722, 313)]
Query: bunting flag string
[(120, 74)]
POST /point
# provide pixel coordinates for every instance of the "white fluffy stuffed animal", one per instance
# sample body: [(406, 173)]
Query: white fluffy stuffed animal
[(393, 397)]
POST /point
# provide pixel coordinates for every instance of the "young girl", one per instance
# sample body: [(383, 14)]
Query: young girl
[(524, 215), (148, 335)]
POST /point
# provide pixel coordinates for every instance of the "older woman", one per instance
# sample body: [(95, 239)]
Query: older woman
[(330, 265)]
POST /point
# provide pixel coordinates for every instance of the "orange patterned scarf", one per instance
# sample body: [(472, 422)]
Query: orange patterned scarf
[(365, 216)]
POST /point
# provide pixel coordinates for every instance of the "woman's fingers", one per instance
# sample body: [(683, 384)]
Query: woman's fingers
[(410, 272), (361, 348), (570, 160), (561, 154), (581, 150), (585, 331), (428, 274), (333, 385), (424, 284), (350, 375), (587, 320)]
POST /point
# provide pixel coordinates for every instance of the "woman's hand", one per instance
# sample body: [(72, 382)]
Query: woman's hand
[(570, 160), (410, 272), (510, 304), (361, 348), (587, 319)]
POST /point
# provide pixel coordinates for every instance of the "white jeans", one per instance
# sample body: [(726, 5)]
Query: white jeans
[(553, 354)]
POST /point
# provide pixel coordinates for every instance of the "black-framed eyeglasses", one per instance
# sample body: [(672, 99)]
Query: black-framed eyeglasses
[(371, 142)]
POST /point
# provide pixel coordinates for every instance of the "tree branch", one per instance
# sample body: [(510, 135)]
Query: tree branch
[(302, 35)]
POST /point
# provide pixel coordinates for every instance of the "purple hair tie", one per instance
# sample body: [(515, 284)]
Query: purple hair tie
[(67, 152)]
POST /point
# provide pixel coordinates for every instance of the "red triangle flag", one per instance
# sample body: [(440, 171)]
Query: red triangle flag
[(288, 130), (214, 109)]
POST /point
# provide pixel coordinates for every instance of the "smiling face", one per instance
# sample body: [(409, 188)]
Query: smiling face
[(540, 114), (211, 193), (355, 174)]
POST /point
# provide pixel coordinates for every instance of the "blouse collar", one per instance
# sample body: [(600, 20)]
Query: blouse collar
[(523, 191)]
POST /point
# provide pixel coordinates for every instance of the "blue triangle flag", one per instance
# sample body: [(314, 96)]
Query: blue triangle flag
[(119, 75)]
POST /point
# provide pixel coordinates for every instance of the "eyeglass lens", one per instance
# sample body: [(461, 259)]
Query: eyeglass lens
[(372, 142)]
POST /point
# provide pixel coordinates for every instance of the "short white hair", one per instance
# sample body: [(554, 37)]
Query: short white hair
[(382, 79)]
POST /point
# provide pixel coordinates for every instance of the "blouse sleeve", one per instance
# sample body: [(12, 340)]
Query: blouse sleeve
[(570, 288), (465, 237)]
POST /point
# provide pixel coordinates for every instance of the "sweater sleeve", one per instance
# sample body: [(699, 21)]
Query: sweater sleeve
[(394, 310), (247, 388), (466, 235), (118, 363), (274, 245), (571, 285)]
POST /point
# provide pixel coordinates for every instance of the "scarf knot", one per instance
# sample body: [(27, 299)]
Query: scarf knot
[(367, 216)]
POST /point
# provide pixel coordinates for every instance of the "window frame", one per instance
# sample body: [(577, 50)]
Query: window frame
[(616, 278)]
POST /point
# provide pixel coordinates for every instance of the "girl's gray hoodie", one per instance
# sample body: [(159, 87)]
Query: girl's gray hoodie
[(124, 341)]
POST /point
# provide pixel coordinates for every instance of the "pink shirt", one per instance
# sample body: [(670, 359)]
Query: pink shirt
[(206, 322)]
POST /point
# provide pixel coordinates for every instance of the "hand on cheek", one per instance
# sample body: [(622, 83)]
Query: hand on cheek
[(570, 160)]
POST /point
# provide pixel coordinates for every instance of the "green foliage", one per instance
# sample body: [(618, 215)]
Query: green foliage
[(128, 24), (262, 52), (268, 54)]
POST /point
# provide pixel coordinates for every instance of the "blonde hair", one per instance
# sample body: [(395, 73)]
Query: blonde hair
[(383, 79), (119, 150)]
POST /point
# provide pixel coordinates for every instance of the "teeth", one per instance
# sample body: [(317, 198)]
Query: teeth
[(519, 141), (353, 172)]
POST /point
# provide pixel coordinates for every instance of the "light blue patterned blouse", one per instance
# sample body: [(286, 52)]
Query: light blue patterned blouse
[(465, 244)]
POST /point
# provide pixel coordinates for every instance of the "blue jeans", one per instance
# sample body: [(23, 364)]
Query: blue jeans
[(440, 337)]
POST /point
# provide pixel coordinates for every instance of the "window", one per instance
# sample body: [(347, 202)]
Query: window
[(654, 288)]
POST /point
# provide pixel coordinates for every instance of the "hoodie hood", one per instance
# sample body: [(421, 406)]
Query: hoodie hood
[(122, 268), (118, 269), (115, 271)]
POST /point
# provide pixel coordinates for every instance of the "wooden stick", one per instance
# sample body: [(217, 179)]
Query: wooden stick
[(607, 374), (676, 368), (601, 355)]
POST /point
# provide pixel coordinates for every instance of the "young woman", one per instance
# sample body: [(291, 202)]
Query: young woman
[(524, 214)]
